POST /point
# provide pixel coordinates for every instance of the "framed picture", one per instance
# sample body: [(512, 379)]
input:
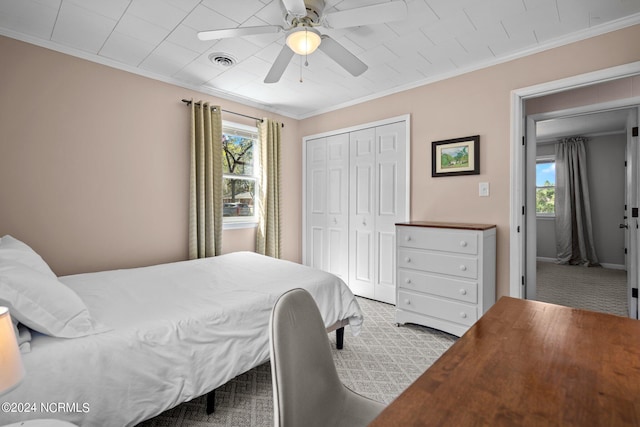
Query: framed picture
[(460, 156)]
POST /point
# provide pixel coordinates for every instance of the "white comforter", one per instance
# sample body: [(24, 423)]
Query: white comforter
[(178, 331)]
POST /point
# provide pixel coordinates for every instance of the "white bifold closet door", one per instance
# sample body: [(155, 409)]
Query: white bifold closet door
[(377, 201), (328, 204), (356, 190)]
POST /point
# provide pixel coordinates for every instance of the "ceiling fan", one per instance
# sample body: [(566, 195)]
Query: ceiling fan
[(302, 17)]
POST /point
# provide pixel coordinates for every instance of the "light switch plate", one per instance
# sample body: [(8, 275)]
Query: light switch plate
[(483, 189)]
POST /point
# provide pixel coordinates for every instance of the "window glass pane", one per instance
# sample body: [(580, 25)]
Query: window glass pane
[(545, 200), (237, 154), (545, 174), (238, 196), (545, 187)]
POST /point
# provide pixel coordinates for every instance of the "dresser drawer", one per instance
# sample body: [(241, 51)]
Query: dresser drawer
[(453, 265), (438, 285), (452, 311), (459, 241)]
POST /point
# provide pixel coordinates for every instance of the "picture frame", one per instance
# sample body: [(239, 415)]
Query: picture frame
[(459, 156)]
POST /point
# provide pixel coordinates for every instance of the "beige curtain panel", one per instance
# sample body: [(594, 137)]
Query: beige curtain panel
[(268, 233), (205, 198)]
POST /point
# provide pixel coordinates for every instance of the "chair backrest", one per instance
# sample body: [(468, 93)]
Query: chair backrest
[(306, 386)]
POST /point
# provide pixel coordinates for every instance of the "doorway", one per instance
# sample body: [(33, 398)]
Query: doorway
[(519, 220), (604, 131)]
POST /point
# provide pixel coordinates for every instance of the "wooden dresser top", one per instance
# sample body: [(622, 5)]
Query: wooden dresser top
[(456, 225)]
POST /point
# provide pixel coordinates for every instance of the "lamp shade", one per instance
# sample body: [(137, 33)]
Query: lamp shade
[(11, 369), (304, 40)]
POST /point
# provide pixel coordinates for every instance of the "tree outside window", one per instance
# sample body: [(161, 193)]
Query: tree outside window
[(545, 187), (239, 168)]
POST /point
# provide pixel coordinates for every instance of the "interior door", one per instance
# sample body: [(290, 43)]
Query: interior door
[(362, 212), (530, 290), (631, 214), (390, 206), (316, 202), (337, 220)]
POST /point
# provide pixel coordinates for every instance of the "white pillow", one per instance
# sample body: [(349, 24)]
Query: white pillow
[(13, 250), (43, 303), (23, 336)]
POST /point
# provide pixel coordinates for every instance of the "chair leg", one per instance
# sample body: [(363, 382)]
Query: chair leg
[(340, 338), (211, 400)]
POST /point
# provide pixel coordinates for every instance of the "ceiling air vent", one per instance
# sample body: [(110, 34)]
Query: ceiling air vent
[(222, 59)]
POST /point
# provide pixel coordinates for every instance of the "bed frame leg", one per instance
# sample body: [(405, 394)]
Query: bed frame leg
[(340, 338), (211, 400)]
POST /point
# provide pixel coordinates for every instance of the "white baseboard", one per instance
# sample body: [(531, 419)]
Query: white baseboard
[(613, 266), (603, 264)]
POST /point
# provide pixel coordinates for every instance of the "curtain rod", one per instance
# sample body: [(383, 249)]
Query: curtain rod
[(188, 102)]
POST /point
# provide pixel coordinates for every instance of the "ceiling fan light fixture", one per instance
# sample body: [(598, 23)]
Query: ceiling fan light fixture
[(304, 40)]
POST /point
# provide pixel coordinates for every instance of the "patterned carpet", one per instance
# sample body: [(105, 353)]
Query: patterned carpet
[(380, 363), (591, 288)]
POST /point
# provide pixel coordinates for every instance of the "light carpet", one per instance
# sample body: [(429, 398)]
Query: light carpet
[(379, 363), (591, 288)]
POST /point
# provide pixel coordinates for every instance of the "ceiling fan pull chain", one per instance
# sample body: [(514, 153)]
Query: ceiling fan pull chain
[(300, 69)]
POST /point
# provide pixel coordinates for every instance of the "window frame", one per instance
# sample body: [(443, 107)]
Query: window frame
[(238, 222), (545, 159)]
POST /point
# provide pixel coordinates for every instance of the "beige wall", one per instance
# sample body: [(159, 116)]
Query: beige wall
[(93, 161), (477, 103)]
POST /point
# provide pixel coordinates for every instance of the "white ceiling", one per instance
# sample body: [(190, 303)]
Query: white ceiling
[(591, 124), (439, 38)]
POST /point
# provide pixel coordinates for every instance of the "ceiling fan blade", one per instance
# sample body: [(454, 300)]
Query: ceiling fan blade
[(295, 8), (279, 65), (367, 15), (239, 32), (342, 56)]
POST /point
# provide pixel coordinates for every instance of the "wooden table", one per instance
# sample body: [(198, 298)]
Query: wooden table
[(528, 363)]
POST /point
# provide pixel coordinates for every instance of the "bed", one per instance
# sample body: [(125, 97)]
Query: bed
[(157, 336)]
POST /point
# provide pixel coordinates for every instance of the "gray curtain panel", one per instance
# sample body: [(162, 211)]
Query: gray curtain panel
[(268, 235), (574, 235), (205, 184)]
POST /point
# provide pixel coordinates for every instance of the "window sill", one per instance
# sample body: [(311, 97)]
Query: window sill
[(546, 217), (238, 225)]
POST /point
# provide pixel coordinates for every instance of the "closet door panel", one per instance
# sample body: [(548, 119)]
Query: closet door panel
[(337, 196), (391, 203), (316, 243), (316, 202), (362, 211)]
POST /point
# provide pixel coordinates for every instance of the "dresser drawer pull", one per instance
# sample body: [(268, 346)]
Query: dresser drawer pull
[(463, 267), (463, 243), (407, 260), (407, 301), (407, 238), (407, 281), (463, 315), (463, 291)]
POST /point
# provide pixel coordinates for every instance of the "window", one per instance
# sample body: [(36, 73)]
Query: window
[(545, 186), (239, 168)]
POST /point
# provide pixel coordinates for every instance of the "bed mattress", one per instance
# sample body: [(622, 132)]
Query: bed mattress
[(176, 331)]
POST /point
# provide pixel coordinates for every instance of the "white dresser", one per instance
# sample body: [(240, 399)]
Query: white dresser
[(446, 274)]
